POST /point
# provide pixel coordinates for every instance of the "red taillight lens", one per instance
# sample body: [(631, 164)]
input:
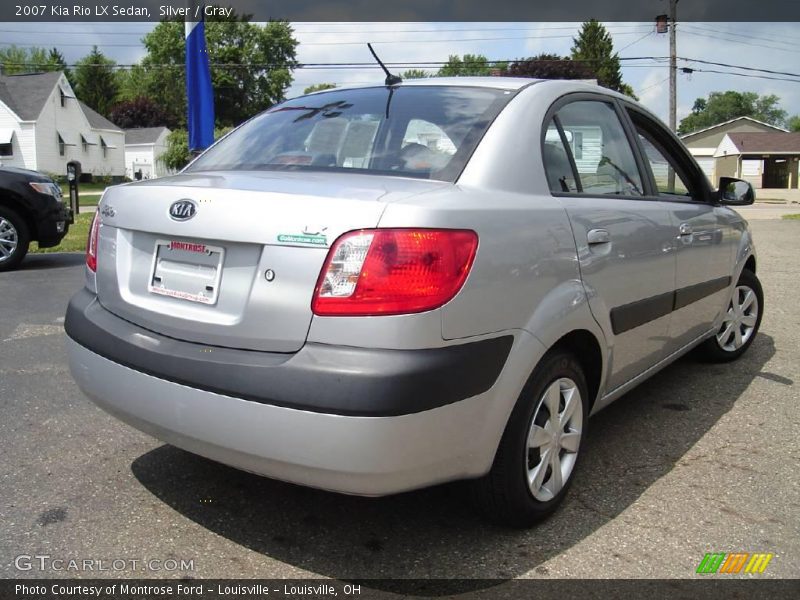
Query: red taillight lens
[(393, 271), (91, 244)]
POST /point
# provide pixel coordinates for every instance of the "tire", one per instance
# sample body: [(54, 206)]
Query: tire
[(743, 315), (14, 239), (504, 495)]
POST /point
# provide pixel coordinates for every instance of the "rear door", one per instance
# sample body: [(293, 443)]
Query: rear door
[(705, 237), (625, 240)]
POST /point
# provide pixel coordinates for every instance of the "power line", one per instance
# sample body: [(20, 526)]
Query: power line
[(648, 34), (743, 42), (644, 89), (691, 71), (719, 64), (333, 65), (793, 41), (337, 43), (359, 31)]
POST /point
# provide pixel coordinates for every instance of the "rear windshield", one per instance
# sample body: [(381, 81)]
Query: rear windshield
[(421, 131)]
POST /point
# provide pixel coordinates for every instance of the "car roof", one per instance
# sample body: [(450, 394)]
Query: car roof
[(498, 83), (493, 82), (504, 83)]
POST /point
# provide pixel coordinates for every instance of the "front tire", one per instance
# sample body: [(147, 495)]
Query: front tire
[(14, 239), (537, 456), (740, 324)]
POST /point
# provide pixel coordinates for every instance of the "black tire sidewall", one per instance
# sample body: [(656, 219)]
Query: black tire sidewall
[(749, 279), (23, 239), (514, 443)]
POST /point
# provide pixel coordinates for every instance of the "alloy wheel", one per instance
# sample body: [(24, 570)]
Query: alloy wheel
[(554, 438), (9, 238), (740, 320)]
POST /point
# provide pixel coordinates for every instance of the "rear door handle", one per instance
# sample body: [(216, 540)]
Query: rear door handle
[(598, 236), (685, 229)]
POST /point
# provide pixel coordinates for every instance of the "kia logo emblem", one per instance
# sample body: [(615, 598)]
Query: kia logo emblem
[(182, 210)]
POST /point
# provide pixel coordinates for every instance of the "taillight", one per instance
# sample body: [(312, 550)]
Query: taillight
[(91, 244), (393, 271)]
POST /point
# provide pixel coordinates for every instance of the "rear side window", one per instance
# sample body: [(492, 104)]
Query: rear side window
[(418, 131), (560, 176), (604, 160)]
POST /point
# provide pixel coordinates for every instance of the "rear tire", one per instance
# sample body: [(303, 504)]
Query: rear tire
[(741, 324), (535, 462), (14, 239)]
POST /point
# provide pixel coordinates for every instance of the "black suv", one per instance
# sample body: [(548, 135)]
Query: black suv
[(31, 209)]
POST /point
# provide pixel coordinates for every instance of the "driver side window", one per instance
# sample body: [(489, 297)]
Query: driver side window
[(669, 182)]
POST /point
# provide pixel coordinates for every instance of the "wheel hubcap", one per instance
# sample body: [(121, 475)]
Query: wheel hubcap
[(739, 322), (8, 239), (554, 439)]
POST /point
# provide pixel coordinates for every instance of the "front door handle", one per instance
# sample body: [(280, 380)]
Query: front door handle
[(598, 236), (685, 229)]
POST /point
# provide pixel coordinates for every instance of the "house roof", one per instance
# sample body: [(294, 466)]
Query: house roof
[(779, 142), (27, 94), (143, 135), (728, 122), (96, 120)]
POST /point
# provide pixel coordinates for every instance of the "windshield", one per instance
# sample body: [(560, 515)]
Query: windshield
[(417, 131)]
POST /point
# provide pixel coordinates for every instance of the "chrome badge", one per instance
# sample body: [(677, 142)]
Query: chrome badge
[(182, 210)]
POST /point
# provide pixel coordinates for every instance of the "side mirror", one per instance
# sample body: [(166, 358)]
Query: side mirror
[(735, 192)]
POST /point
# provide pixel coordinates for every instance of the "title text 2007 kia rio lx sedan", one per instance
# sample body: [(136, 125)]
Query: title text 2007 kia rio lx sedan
[(378, 289)]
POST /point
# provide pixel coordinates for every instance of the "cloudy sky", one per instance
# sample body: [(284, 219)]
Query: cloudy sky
[(766, 46)]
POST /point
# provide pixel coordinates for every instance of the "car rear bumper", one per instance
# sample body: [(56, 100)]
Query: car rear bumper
[(350, 453), (339, 380)]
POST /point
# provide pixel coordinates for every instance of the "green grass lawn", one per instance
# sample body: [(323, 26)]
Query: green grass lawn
[(85, 187), (793, 217), (89, 193), (75, 240)]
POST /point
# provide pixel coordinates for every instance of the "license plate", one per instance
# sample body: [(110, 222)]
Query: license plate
[(186, 270)]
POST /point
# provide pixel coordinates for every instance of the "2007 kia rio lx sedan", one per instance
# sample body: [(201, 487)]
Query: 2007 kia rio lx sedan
[(378, 289)]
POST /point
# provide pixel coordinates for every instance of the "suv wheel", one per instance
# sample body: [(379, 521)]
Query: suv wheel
[(538, 453), (740, 324), (14, 239)]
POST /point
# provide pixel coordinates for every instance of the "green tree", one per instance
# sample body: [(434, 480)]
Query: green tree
[(415, 74), (595, 47), (793, 123), (15, 60), (95, 82), (133, 83), (549, 66), (251, 66), (318, 87), (724, 106), (469, 65), (177, 154)]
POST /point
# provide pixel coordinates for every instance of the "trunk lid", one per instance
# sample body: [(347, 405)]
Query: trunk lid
[(240, 271)]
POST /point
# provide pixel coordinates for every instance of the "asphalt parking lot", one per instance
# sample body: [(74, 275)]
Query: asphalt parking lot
[(702, 458)]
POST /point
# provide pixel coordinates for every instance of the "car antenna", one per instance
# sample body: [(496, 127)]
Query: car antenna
[(390, 79)]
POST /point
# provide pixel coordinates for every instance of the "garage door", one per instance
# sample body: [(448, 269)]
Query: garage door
[(751, 171)]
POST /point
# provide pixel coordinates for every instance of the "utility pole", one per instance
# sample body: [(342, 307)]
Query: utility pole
[(673, 65)]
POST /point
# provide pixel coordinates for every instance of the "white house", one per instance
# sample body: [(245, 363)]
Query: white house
[(43, 126), (143, 147)]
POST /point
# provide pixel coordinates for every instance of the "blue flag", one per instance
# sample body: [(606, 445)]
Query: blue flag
[(199, 93)]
